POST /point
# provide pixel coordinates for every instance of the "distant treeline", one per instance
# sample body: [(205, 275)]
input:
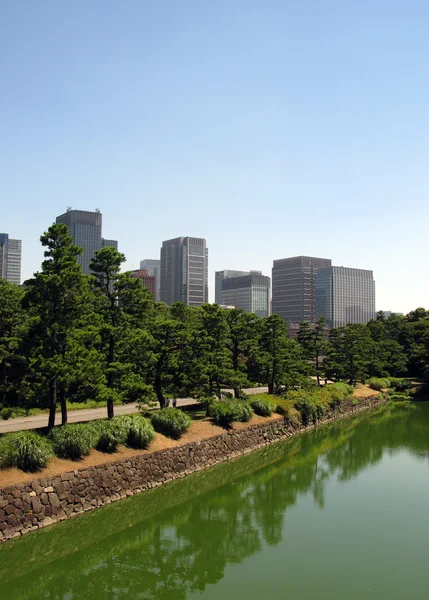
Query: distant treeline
[(70, 337)]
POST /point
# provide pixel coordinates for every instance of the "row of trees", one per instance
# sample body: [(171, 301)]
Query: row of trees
[(66, 336)]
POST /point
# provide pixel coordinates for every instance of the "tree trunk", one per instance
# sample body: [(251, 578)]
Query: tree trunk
[(317, 369), (271, 383), (52, 401), (236, 392), (4, 395), (110, 359), (110, 409), (62, 394), (110, 378), (158, 387)]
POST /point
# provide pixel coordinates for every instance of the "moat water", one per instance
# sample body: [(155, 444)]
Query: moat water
[(340, 513)]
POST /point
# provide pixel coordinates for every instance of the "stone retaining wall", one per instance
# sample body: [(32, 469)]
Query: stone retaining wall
[(30, 506)]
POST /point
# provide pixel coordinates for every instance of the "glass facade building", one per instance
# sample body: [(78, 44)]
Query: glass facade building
[(293, 292), (86, 229), (248, 292), (345, 295), (10, 258), (184, 271), (220, 276), (153, 267)]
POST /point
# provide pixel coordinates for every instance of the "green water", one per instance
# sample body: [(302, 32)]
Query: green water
[(338, 513)]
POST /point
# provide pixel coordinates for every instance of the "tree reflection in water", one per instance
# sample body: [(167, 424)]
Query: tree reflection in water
[(180, 537)]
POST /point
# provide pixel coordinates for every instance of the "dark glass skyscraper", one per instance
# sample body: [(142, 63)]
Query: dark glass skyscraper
[(10, 259), (293, 284), (220, 276), (85, 227), (184, 271), (345, 295), (249, 292)]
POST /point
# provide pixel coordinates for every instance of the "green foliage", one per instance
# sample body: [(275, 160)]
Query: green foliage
[(7, 458), (279, 359), (400, 385), (29, 451), (72, 441), (337, 392), (226, 412), (223, 413), (378, 383), (313, 403), (139, 431), (263, 405), (6, 413), (171, 422), (109, 435)]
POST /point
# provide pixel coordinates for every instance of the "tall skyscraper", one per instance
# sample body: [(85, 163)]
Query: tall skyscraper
[(220, 276), (294, 287), (184, 271), (345, 295), (10, 258), (153, 267), (250, 292), (85, 227)]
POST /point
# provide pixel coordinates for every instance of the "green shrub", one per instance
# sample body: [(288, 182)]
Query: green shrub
[(295, 418), (263, 405), (223, 413), (6, 413), (109, 434), (6, 453), (307, 408), (72, 441), (243, 410), (139, 431), (29, 451), (401, 385), (227, 412), (284, 406), (339, 391), (172, 422), (379, 383)]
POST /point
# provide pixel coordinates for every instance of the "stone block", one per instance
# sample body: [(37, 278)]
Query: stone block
[(53, 499), (36, 505)]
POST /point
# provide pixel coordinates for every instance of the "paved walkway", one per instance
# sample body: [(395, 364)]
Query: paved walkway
[(90, 414)]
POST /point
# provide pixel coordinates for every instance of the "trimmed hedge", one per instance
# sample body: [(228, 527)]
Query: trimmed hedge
[(171, 422)]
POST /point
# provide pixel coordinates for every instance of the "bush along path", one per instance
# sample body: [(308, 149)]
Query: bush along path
[(31, 451)]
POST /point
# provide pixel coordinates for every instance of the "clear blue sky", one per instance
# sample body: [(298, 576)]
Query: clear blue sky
[(271, 128)]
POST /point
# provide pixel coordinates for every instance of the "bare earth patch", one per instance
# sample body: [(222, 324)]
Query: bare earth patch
[(363, 391), (199, 430)]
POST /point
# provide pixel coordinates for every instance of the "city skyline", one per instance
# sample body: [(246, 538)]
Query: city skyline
[(153, 267)]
